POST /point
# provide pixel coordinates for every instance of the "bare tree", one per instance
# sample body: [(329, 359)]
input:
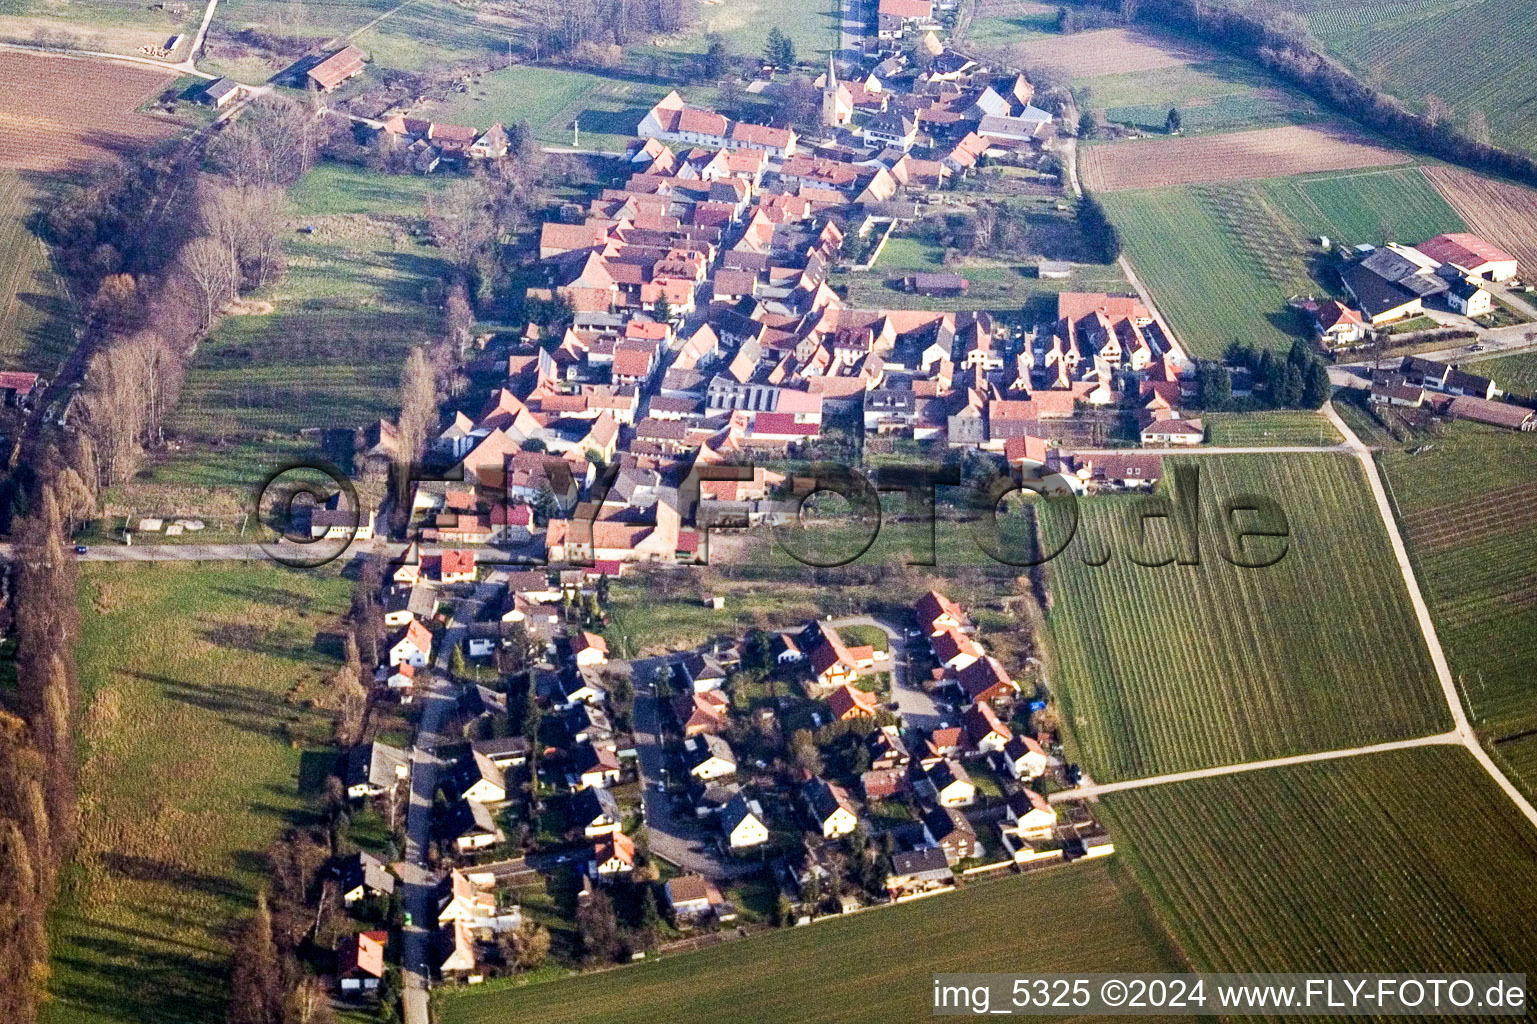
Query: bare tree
[(462, 221), (418, 410), (1437, 110), (1478, 128), (206, 263)]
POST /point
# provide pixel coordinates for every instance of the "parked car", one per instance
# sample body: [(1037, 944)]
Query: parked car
[(80, 549)]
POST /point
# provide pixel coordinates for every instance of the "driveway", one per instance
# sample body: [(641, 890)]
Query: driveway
[(918, 709)]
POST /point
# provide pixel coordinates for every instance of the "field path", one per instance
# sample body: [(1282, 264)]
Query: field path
[(1094, 790)]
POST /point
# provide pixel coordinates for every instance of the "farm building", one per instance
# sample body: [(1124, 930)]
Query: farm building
[(1497, 414), (339, 67), (1053, 270), (220, 92), (1336, 324), (1472, 255), (16, 386), (1381, 301), (937, 284)]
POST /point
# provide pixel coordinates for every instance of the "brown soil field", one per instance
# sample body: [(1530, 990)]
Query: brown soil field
[(59, 112), (1503, 214), (1266, 153), (1108, 51)]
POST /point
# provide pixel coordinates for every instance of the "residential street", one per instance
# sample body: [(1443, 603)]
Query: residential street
[(678, 838), (438, 705)]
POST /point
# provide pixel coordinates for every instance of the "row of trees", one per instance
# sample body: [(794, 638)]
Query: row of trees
[(1099, 234), (37, 754), (1298, 380)]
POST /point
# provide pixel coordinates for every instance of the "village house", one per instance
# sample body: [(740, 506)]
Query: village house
[(848, 702), (595, 765), (1025, 757), (337, 68), (476, 777), (412, 646), (948, 829), (360, 962), (916, 871), (374, 769), (589, 649), (1029, 815), (830, 808), (612, 856), (363, 875), (472, 827), (987, 733), (709, 757), (699, 713), (949, 785), (743, 823), (595, 811)]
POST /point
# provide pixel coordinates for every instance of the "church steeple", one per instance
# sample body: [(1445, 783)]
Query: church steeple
[(832, 112)]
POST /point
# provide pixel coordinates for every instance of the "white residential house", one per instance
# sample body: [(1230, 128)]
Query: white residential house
[(743, 823), (413, 646), (709, 757), (1030, 815), (1025, 757), (830, 807)]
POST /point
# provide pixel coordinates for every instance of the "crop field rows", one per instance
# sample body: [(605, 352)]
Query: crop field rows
[(57, 113), (1182, 667), (1252, 243), (1266, 153), (1507, 508), (849, 971), (1365, 864), (1503, 214), (1109, 51), (1260, 230), (1477, 573)]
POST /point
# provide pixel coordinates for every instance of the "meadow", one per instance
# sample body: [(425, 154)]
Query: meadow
[(1468, 508), (1087, 917), (203, 686), (551, 98), (1407, 860), (1515, 375), (1188, 666), (1253, 244), (329, 354), (119, 26)]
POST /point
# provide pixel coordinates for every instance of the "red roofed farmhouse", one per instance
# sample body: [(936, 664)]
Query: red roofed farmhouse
[(1472, 254)]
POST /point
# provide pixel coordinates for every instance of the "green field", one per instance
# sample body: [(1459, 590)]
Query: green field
[(995, 284), (551, 98), (1221, 95), (1181, 667), (859, 969), (34, 304), (344, 316), (1419, 48), (202, 685), (1468, 506), (1515, 375), (1222, 260), (119, 26), (1406, 861), (1283, 427)]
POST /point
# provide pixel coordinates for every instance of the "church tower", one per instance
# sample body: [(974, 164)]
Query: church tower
[(831, 115)]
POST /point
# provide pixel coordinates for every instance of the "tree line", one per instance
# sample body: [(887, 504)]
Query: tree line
[(1298, 380), (37, 752)]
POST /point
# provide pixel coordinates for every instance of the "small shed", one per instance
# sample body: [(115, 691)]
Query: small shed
[(937, 284), (220, 92), (1054, 270)]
